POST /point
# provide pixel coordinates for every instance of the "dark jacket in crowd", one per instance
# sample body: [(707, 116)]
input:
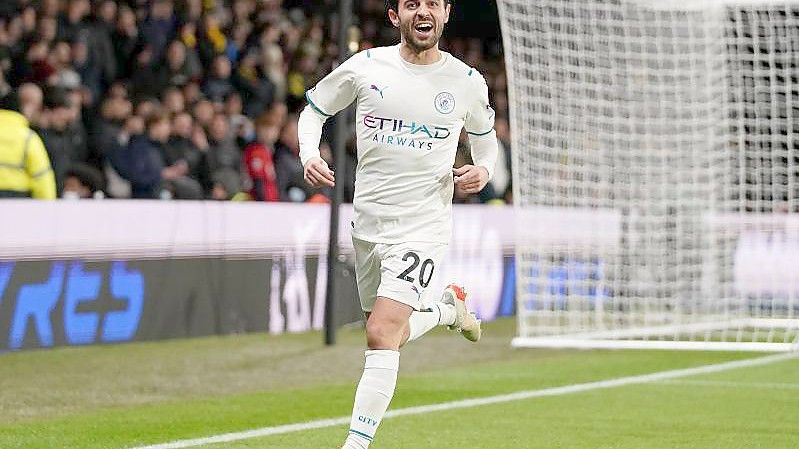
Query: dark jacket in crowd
[(257, 91), (103, 141), (223, 154), (180, 148), (63, 147), (125, 49), (167, 77), (216, 89), (289, 174), (102, 50), (147, 82), (157, 33), (140, 162)]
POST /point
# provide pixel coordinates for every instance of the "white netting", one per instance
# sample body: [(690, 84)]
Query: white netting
[(674, 122)]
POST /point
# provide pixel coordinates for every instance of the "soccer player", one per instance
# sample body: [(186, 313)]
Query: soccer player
[(412, 100)]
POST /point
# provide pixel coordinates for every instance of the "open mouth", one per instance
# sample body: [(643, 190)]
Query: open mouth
[(424, 28)]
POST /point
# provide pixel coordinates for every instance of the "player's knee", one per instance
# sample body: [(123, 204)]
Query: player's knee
[(384, 333)]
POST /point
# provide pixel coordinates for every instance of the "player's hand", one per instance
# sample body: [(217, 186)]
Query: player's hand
[(318, 174), (470, 178)]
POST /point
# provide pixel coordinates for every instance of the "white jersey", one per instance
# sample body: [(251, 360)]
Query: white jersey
[(408, 121)]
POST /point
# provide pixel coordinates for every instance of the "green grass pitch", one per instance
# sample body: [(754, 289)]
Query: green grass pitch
[(131, 395)]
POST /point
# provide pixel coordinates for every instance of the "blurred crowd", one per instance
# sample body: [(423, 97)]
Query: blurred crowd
[(192, 99)]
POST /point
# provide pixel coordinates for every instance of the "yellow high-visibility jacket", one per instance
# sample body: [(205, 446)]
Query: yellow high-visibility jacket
[(24, 165)]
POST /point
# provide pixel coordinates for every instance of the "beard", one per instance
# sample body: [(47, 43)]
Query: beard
[(408, 32)]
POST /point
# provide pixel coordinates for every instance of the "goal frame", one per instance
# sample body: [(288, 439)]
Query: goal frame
[(635, 338), (687, 334)]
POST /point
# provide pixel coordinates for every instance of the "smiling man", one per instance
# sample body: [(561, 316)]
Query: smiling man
[(413, 100)]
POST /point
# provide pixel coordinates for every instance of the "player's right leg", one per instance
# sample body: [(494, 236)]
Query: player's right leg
[(385, 327)]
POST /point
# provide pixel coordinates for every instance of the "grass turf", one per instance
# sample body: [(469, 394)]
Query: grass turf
[(123, 396)]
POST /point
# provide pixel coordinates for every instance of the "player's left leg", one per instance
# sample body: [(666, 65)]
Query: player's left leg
[(450, 311), (423, 321)]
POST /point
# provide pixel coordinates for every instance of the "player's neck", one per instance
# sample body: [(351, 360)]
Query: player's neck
[(424, 57)]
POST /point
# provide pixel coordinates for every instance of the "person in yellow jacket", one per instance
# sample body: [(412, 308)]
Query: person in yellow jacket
[(25, 170)]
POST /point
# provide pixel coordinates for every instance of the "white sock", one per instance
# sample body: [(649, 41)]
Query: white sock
[(372, 397), (447, 314), (422, 322)]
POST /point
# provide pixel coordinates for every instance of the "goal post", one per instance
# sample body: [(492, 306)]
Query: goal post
[(655, 172)]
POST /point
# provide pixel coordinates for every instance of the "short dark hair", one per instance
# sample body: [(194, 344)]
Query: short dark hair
[(56, 97), (394, 4)]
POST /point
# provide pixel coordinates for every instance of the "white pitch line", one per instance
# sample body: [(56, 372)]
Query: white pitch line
[(732, 384), (467, 403)]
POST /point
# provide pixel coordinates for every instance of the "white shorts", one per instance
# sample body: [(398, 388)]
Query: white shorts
[(398, 271)]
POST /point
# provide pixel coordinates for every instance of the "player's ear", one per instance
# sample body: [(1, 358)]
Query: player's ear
[(447, 8), (393, 17)]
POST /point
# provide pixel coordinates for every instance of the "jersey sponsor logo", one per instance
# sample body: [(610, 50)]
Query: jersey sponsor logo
[(401, 126), (445, 102), (378, 90), (402, 133)]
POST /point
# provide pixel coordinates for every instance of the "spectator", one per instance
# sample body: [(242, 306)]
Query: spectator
[(71, 23), (211, 41), (273, 68), (47, 30), (222, 151), (65, 75), (257, 90), (174, 102), (105, 137), (181, 66), (204, 113), (127, 41), (83, 182), (31, 101), (51, 8), (36, 68), (141, 161), (60, 134), (189, 144), (239, 123), (102, 49), (145, 81), (191, 93), (288, 165), (258, 160), (29, 19), (238, 43), (226, 186), (24, 165), (218, 86), (195, 60), (159, 27)]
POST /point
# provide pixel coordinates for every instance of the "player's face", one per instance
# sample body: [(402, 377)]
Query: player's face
[(421, 22)]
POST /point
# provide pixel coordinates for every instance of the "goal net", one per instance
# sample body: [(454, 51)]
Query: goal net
[(656, 172)]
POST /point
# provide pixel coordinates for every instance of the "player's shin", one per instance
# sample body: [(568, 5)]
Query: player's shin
[(423, 321), (372, 397)]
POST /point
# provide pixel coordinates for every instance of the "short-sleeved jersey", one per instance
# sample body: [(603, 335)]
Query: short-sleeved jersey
[(408, 121)]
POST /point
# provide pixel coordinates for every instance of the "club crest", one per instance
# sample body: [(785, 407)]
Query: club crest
[(445, 102)]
